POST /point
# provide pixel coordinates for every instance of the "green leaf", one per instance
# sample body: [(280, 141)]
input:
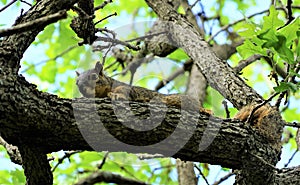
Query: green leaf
[(178, 55), (247, 30), (272, 21), (4, 1), (268, 35), (286, 86), (48, 72), (18, 177), (250, 48), (46, 34), (283, 51), (298, 47), (291, 31), (4, 177), (278, 42)]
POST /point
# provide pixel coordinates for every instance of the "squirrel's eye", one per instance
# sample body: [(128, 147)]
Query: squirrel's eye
[(93, 76)]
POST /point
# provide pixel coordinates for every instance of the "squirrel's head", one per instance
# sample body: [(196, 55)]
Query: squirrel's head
[(87, 80)]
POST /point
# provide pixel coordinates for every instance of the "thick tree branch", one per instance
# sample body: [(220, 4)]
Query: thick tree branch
[(36, 166), (58, 129), (235, 145), (222, 78), (215, 70), (14, 46)]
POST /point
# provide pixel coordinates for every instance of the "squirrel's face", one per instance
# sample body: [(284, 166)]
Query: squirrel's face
[(86, 83)]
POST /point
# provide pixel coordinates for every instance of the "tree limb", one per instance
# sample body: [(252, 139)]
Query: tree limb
[(215, 70), (43, 21)]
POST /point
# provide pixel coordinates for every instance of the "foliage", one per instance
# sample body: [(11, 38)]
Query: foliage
[(53, 71)]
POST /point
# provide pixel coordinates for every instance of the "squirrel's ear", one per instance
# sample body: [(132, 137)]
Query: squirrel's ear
[(77, 73), (99, 68)]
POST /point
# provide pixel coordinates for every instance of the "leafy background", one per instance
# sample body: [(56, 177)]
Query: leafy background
[(51, 60)]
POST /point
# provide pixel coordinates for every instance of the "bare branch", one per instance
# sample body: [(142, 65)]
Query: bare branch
[(9, 4), (50, 59), (291, 158), (103, 5), (240, 20), (12, 151), (103, 161), (293, 124), (114, 14), (186, 66), (108, 177), (68, 154), (203, 176), (116, 42), (243, 63), (33, 24), (223, 178)]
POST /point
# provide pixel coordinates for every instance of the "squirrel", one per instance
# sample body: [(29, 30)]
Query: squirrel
[(94, 83)]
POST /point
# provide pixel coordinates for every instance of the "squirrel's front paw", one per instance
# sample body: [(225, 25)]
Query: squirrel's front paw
[(116, 96)]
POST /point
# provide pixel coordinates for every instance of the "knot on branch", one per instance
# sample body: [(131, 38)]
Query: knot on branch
[(266, 119)]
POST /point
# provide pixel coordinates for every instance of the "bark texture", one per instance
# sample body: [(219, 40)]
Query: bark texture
[(39, 123), (222, 77)]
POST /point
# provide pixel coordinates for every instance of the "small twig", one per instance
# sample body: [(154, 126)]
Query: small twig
[(260, 105), (82, 12), (174, 75), (238, 21), (12, 151), (25, 2), (281, 96), (9, 4), (54, 58), (106, 30), (136, 62), (177, 73), (116, 41), (103, 161), (114, 14), (34, 23), (106, 53), (201, 174), (226, 109), (289, 13), (293, 124), (243, 63), (283, 7), (146, 36), (192, 6), (67, 155), (291, 158), (103, 5), (223, 178)]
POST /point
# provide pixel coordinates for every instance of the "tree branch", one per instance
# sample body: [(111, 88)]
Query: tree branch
[(14, 46), (108, 177), (215, 70), (43, 21)]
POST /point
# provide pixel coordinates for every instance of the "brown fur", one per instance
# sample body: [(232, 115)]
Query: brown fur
[(94, 83)]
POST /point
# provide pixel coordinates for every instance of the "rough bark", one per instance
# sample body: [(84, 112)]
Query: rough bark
[(222, 77), (39, 123), (218, 73), (186, 174), (57, 129), (14, 46)]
